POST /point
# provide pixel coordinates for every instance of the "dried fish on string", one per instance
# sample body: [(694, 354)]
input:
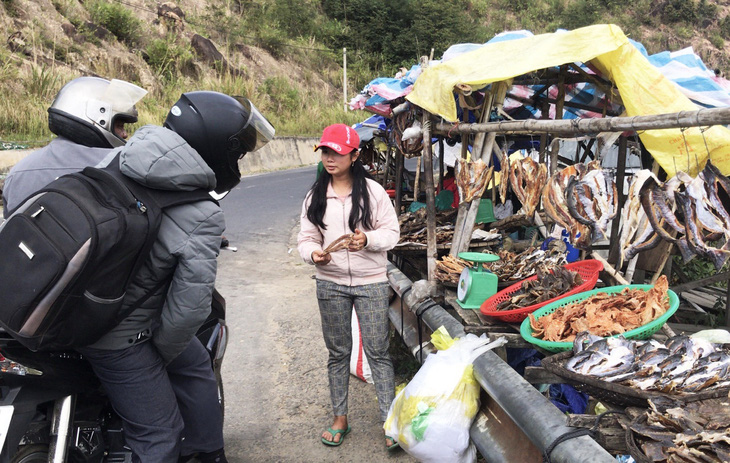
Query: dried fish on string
[(637, 234), (592, 199), (504, 177), (449, 268), (513, 267), (604, 314), (547, 286), (555, 204), (527, 178), (651, 207), (472, 178)]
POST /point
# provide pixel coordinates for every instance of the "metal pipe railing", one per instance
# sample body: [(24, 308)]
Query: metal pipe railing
[(539, 419)]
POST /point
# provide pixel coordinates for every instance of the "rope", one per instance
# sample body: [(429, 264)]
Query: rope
[(577, 433), (419, 314), (403, 296)]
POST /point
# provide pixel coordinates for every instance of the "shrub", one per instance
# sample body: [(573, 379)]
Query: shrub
[(717, 41), (118, 20), (167, 58), (282, 94)]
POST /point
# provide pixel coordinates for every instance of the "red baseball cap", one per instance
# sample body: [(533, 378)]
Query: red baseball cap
[(340, 137)]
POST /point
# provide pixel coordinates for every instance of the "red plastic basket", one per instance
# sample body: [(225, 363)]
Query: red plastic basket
[(587, 269)]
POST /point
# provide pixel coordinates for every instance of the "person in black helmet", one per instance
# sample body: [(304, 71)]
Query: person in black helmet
[(156, 372), (88, 116)]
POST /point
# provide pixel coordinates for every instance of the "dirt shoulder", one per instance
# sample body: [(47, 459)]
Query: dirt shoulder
[(277, 396)]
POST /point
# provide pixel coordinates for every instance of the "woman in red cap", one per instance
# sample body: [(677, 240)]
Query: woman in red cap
[(344, 201)]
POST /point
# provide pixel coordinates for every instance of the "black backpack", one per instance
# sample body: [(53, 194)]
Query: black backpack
[(70, 251)]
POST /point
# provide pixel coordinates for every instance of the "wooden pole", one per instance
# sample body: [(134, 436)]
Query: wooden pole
[(386, 169), (431, 251), (702, 117), (398, 181), (441, 164), (614, 248), (417, 181), (609, 269), (344, 76)]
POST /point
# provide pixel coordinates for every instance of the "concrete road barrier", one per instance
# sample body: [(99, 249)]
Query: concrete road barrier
[(280, 153)]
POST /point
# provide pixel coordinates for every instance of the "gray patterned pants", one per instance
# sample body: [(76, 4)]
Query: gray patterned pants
[(371, 305)]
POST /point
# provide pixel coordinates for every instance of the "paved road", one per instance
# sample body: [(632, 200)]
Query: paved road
[(277, 400)]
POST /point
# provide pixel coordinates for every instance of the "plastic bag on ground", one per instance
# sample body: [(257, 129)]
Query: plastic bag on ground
[(359, 366), (430, 418)]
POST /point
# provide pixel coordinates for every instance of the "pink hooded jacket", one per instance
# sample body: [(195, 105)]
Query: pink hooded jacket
[(351, 268)]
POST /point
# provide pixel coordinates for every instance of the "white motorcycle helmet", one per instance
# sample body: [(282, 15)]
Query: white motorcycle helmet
[(86, 109)]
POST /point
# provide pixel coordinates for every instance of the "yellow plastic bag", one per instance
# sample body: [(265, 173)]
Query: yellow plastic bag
[(430, 418)]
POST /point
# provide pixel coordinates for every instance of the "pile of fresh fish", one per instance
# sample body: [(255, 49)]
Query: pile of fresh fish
[(695, 432), (681, 364), (603, 314), (582, 199), (547, 286), (689, 212), (514, 267)]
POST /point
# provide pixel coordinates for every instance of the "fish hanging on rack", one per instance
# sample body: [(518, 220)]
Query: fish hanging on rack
[(659, 205), (686, 211), (592, 199), (527, 178), (637, 234), (504, 177), (555, 202), (472, 178)]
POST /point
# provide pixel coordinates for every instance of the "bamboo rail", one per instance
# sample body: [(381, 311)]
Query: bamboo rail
[(701, 117)]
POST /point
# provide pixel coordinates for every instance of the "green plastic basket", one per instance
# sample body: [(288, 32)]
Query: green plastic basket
[(642, 332)]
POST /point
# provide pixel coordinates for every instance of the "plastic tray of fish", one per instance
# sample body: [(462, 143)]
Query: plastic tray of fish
[(628, 373), (587, 269)]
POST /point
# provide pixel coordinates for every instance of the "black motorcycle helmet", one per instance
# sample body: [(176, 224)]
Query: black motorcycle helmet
[(222, 129)]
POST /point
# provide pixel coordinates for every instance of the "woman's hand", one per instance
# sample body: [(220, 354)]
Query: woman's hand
[(319, 258), (359, 241)]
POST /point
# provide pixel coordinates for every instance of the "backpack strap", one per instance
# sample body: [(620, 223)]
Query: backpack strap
[(163, 198)]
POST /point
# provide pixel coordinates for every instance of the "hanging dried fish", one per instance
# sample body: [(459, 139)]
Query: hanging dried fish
[(527, 179), (472, 178)]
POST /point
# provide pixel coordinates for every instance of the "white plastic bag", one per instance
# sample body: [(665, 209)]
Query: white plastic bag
[(359, 365), (430, 418)]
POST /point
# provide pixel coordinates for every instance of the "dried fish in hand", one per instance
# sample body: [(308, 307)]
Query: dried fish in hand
[(340, 243)]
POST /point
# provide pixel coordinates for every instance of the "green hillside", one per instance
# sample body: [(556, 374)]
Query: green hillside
[(287, 55)]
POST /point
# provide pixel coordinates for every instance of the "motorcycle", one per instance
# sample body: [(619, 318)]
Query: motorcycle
[(53, 408)]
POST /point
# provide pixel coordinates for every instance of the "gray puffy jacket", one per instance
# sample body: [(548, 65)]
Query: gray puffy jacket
[(185, 251)]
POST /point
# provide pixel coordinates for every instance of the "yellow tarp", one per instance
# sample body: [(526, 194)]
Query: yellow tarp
[(644, 90)]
